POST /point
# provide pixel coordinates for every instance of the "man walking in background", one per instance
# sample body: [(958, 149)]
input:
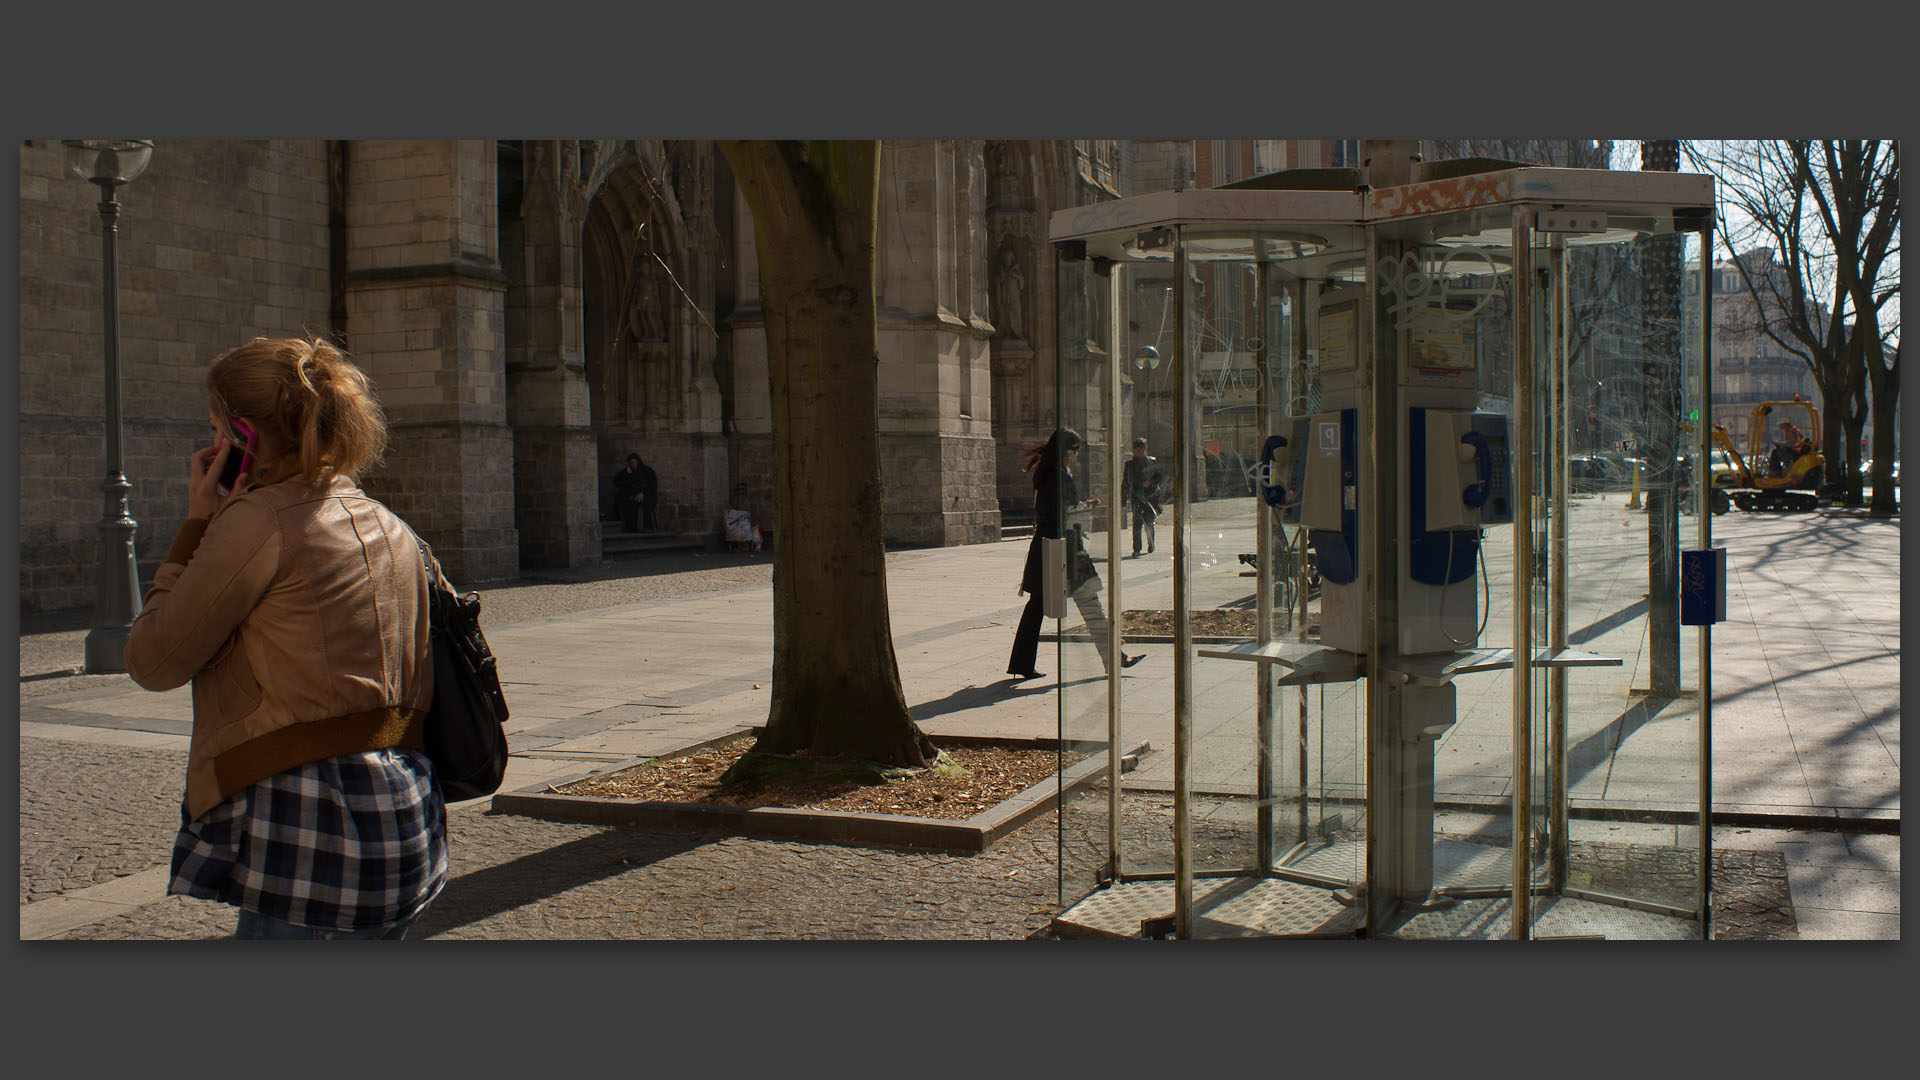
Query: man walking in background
[(1140, 486)]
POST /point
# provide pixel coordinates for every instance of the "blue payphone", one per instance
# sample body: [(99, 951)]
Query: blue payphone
[(1460, 476)]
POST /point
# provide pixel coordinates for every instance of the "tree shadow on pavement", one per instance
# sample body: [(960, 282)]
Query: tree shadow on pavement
[(1598, 749), (975, 697), (472, 896)]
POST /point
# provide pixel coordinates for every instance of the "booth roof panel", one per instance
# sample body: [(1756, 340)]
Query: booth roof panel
[(1610, 187), (1201, 206)]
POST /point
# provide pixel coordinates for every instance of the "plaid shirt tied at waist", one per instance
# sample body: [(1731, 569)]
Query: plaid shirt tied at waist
[(354, 842)]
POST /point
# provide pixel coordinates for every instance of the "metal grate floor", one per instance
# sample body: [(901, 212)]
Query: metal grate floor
[(1554, 916), (1225, 908), (1247, 906), (1457, 864), (1254, 907)]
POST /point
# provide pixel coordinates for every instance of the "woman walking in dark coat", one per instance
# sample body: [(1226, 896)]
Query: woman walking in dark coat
[(1054, 492)]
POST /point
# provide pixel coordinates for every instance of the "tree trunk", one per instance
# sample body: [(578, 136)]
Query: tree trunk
[(1854, 416), (1883, 372), (836, 681), (1832, 416), (1661, 375), (1886, 395)]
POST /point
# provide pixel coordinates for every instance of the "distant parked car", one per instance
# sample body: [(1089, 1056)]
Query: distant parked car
[(1591, 472), (1721, 464), (1624, 466), (1866, 470)]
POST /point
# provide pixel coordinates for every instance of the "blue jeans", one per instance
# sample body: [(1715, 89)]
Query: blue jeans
[(1143, 515), (254, 926)]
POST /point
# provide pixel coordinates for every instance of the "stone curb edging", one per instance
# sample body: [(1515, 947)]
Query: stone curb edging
[(55, 915), (972, 835), (1805, 822)]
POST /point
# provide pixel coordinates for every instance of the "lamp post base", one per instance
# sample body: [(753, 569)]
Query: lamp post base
[(117, 603), (107, 650)]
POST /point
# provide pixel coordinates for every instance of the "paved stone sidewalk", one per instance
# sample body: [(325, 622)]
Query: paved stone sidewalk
[(101, 760), (518, 879)]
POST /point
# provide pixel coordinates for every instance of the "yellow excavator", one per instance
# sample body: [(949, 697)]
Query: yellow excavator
[(1782, 468)]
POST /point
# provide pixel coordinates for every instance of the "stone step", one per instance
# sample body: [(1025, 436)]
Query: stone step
[(1016, 532), (615, 543)]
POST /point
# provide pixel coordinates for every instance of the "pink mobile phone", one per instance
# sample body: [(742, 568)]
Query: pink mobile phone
[(242, 461)]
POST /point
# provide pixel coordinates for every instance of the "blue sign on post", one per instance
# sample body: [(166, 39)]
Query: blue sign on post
[(1703, 587)]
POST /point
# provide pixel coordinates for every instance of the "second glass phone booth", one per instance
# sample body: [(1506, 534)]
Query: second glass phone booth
[(1405, 676)]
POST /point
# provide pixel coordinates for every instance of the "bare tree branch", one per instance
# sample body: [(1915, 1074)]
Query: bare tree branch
[(1826, 213)]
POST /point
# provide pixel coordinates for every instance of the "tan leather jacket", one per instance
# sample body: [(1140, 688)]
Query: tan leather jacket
[(300, 615)]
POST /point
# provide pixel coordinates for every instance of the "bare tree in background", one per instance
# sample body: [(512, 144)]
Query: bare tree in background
[(1827, 212), (1556, 153)]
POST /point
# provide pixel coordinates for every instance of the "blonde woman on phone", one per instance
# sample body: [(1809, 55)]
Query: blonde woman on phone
[(297, 606)]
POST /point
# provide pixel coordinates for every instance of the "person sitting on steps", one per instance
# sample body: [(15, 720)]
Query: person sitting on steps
[(635, 491)]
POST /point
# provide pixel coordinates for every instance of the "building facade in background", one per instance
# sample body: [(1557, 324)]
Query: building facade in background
[(1749, 366), (532, 311)]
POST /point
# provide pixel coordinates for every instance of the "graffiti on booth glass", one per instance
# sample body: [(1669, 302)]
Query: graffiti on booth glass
[(1420, 296)]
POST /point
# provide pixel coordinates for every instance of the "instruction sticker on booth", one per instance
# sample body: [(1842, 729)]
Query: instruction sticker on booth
[(1339, 336), (1329, 440)]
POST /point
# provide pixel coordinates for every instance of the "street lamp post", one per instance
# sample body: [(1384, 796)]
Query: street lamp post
[(111, 163)]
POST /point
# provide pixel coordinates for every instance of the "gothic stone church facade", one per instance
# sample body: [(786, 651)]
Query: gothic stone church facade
[(531, 312)]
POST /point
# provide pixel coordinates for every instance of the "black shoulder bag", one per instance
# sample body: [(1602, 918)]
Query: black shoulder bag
[(1080, 571), (465, 732)]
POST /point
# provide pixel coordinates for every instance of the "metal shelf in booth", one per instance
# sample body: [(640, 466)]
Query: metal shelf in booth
[(1319, 664), (1307, 663)]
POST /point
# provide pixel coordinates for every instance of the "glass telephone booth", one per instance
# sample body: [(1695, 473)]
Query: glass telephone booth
[(1418, 659)]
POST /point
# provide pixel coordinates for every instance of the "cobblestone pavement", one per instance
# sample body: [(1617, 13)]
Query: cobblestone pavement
[(519, 878), (90, 813)]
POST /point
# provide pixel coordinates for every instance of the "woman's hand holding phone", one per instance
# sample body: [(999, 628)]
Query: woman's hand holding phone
[(204, 491)]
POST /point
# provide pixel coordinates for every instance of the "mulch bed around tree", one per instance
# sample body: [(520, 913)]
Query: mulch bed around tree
[(1220, 622), (995, 773)]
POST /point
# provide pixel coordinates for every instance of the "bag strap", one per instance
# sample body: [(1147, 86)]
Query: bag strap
[(436, 579)]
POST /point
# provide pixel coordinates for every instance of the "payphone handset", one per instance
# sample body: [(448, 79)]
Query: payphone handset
[(1275, 458), (1282, 467), (1467, 474), (1491, 493)]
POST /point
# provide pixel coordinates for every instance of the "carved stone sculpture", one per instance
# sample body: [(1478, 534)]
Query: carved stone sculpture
[(1009, 295)]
